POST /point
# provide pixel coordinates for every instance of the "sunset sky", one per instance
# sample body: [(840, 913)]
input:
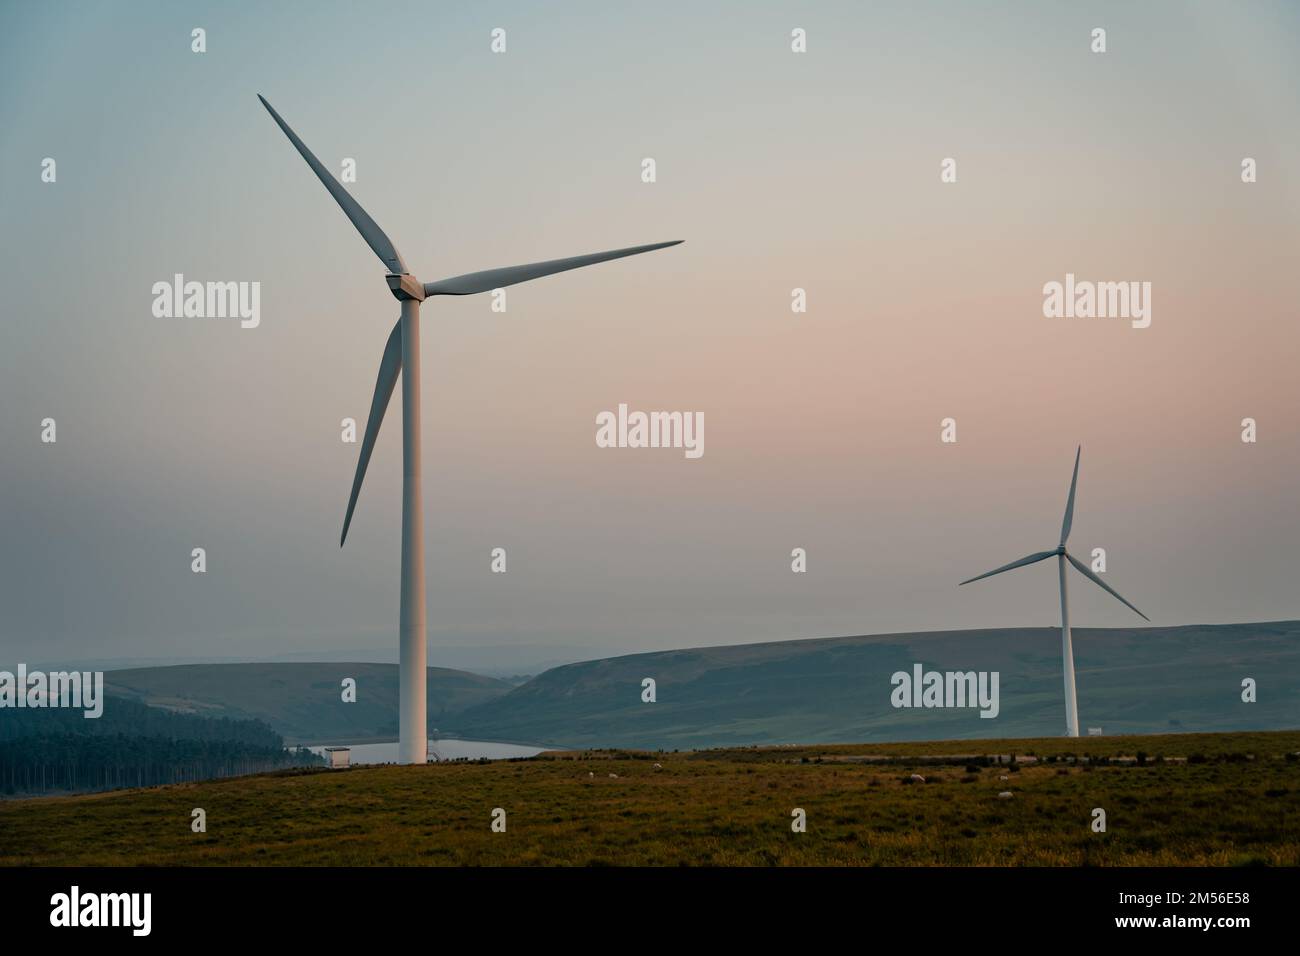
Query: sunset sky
[(780, 170)]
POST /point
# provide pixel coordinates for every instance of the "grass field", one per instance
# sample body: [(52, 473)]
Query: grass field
[(1236, 801)]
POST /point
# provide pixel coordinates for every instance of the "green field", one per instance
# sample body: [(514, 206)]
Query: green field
[(1235, 801)]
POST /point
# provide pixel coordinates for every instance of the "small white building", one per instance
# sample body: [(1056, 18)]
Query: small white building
[(338, 757), (1094, 731)]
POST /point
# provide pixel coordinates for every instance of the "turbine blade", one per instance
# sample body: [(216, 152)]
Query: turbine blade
[(1029, 559), (389, 366), (491, 279), (1069, 505), (1087, 573), (369, 229)]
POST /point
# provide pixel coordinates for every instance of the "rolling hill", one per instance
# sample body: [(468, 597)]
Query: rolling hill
[(1130, 680), (302, 702), (824, 690)]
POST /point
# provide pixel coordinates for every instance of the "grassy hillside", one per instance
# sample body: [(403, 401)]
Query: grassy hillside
[(302, 702), (1235, 801), (1130, 680)]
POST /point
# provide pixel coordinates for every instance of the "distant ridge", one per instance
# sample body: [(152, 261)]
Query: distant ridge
[(815, 690), (825, 690)]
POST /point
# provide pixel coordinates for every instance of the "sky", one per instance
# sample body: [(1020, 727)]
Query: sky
[(780, 170)]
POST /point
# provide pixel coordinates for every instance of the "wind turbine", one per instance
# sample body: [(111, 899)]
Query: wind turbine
[(403, 352), (1062, 556)]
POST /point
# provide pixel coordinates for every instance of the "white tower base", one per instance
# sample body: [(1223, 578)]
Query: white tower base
[(412, 720), (1067, 658)]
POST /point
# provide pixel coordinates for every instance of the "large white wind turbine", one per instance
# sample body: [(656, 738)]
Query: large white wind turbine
[(1062, 556), (403, 352)]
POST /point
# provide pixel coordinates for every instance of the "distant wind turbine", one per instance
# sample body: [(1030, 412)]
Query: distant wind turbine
[(403, 352), (1062, 556)]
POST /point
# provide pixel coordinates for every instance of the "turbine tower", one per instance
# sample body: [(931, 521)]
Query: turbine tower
[(1062, 556), (403, 353)]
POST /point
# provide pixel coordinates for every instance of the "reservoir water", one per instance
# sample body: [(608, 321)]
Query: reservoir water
[(449, 749)]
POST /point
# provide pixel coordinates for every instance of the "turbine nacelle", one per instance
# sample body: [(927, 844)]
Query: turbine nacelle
[(403, 285)]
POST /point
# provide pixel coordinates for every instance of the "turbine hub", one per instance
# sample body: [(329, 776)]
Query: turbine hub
[(403, 285)]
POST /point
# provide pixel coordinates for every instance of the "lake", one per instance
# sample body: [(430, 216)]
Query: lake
[(449, 749)]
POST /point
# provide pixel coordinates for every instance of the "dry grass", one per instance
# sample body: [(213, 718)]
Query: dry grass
[(710, 808)]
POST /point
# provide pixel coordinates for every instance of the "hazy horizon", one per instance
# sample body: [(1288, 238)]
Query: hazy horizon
[(817, 170)]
